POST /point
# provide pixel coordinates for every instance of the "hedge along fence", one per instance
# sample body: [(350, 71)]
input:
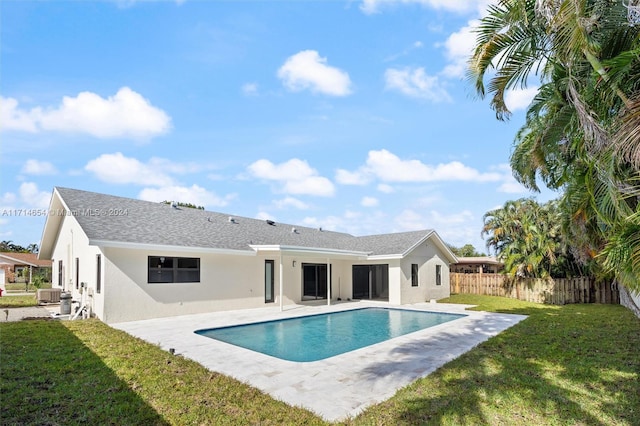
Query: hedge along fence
[(558, 291)]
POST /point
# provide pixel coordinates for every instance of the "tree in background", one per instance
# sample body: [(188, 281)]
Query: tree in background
[(527, 237), (582, 130), (9, 246), (187, 205), (467, 250)]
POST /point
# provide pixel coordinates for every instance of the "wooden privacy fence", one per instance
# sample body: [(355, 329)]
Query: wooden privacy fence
[(558, 291)]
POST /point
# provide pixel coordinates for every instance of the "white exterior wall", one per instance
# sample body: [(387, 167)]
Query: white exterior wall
[(427, 257), (227, 282), (395, 282), (72, 243)]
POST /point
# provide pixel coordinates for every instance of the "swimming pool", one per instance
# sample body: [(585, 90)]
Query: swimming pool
[(317, 337)]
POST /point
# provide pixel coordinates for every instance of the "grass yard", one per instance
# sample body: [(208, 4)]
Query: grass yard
[(22, 287), (17, 302), (573, 364)]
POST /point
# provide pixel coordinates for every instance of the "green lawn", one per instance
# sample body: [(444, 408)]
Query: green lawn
[(575, 364), (17, 301)]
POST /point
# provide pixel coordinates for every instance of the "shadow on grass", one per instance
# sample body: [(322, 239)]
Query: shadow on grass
[(48, 376), (578, 364)]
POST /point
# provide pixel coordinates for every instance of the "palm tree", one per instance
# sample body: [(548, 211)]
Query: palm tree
[(581, 132), (526, 236)]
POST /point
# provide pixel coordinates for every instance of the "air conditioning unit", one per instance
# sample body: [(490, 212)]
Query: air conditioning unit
[(48, 295)]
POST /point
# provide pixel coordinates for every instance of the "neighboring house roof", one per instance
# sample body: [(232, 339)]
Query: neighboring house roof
[(28, 259), (116, 221), (491, 260)]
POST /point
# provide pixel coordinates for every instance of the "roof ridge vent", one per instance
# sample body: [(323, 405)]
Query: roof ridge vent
[(320, 228), (294, 230), (232, 219), (270, 222)]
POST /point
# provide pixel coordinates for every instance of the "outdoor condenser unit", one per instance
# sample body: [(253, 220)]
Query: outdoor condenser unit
[(48, 295)]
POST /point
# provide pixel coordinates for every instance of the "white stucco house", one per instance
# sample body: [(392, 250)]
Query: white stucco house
[(127, 259)]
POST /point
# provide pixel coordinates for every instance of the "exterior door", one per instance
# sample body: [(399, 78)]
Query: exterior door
[(370, 282), (314, 281)]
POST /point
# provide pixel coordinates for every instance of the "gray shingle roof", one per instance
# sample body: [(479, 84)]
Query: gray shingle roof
[(124, 220)]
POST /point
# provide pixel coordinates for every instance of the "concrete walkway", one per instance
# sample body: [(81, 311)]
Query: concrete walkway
[(18, 314), (334, 388)]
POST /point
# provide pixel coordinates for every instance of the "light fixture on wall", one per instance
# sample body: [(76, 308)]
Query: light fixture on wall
[(294, 263)]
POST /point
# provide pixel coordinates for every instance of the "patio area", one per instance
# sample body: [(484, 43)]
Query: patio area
[(337, 387)]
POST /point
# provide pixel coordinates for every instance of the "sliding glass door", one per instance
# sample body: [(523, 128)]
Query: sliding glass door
[(314, 281), (370, 282)]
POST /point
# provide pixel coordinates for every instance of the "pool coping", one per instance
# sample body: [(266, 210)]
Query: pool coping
[(335, 388)]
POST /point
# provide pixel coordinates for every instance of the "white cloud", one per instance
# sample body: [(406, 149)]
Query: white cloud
[(116, 168), (509, 185), (345, 177), (296, 176), (307, 70), (455, 228), (520, 99), (125, 115), (459, 47), (409, 220), (385, 188), (13, 118), (37, 167), (416, 83), (186, 194), (32, 197), (458, 6), (369, 202), (264, 216), (290, 202), (388, 167), (353, 222), (250, 89)]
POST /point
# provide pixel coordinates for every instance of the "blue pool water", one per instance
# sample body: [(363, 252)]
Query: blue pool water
[(317, 337)]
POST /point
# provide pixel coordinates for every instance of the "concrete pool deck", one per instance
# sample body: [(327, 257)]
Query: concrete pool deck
[(338, 387)]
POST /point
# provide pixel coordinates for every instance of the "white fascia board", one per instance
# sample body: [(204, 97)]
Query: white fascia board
[(386, 257), (54, 219), (160, 247), (310, 250)]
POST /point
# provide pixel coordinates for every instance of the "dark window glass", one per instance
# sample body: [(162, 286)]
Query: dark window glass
[(98, 273), (77, 273), (438, 274), (414, 275), (188, 262), (268, 281), (163, 269), (60, 279)]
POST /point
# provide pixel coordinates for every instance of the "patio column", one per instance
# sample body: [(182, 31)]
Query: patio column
[(281, 281), (328, 282)]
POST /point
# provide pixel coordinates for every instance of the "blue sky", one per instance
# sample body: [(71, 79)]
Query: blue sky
[(350, 115)]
